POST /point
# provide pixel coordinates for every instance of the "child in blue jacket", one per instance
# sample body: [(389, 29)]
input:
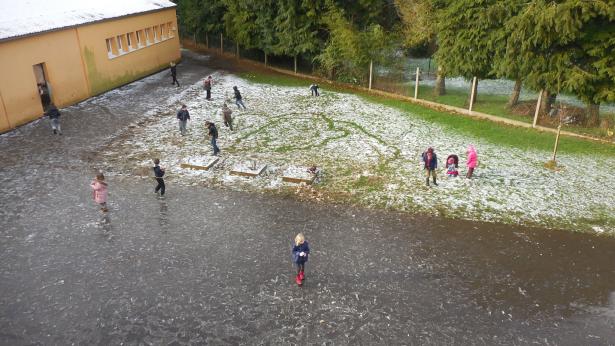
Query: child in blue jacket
[(301, 251)]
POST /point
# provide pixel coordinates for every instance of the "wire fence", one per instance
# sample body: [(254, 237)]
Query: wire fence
[(398, 75)]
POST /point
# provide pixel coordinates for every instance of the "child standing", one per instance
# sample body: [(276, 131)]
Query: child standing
[(158, 174), (314, 89), (213, 136), (430, 161), (300, 252), (207, 85), (452, 163), (472, 161), (99, 191), (227, 116)]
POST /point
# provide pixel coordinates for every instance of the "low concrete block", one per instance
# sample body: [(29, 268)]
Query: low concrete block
[(298, 175), (202, 163), (248, 169)]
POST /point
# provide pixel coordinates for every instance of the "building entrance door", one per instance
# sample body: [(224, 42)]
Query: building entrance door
[(44, 89)]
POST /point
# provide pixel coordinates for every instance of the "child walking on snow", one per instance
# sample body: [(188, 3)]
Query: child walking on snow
[(300, 252), (158, 174), (99, 191)]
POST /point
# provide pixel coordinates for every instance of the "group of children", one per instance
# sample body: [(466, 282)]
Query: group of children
[(430, 164)]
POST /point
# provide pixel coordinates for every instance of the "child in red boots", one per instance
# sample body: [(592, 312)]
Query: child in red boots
[(301, 250)]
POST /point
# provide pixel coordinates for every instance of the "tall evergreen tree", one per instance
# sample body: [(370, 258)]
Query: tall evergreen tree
[(201, 16), (466, 32), (296, 26), (568, 45)]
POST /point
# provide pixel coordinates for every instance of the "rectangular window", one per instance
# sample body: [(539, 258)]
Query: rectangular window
[(120, 44), (156, 35), (170, 28), (109, 46), (148, 35), (129, 41), (163, 33), (139, 38)]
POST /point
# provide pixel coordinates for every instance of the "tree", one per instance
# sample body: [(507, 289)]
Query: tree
[(201, 16), (418, 26), (567, 46), (240, 22), (296, 25), (466, 32), (506, 66)]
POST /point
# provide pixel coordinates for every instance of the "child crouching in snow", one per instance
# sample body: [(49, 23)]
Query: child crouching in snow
[(99, 191), (300, 251), (452, 163)]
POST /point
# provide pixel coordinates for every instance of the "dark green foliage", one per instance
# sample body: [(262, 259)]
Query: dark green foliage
[(566, 46)]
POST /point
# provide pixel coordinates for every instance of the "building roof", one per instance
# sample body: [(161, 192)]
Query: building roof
[(27, 17)]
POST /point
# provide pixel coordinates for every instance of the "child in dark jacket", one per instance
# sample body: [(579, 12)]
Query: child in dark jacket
[(158, 174), (301, 251)]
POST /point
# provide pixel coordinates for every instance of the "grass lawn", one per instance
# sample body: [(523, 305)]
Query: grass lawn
[(516, 137)]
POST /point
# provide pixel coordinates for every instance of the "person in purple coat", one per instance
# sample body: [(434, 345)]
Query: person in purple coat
[(300, 251), (430, 162)]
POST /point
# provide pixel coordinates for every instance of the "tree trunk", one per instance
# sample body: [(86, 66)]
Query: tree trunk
[(221, 43), (593, 114), (295, 60), (265, 58), (546, 102), (473, 90), (237, 54), (440, 87), (514, 97), (371, 70)]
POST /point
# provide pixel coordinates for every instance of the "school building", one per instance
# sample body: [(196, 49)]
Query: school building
[(64, 51)]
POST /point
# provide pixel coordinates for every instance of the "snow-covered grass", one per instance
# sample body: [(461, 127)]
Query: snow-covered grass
[(370, 155)]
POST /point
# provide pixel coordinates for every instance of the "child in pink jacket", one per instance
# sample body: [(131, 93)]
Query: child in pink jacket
[(472, 160), (99, 191)]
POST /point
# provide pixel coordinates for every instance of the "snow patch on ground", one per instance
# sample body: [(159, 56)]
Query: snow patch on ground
[(369, 151)]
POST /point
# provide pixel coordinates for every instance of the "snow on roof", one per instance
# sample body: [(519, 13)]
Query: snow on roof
[(26, 17)]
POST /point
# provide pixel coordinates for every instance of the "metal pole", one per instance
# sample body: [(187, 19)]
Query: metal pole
[(537, 109), (371, 68), (472, 96), (416, 84)]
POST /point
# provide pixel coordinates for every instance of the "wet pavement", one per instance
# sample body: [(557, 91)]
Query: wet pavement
[(205, 266)]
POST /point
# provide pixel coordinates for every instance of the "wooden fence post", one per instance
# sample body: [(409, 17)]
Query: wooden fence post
[(559, 129), (265, 58), (472, 96), (221, 43), (537, 109), (295, 59), (371, 69), (416, 84), (207, 39), (237, 54)]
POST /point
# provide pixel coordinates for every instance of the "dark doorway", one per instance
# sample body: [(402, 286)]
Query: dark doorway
[(44, 90)]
